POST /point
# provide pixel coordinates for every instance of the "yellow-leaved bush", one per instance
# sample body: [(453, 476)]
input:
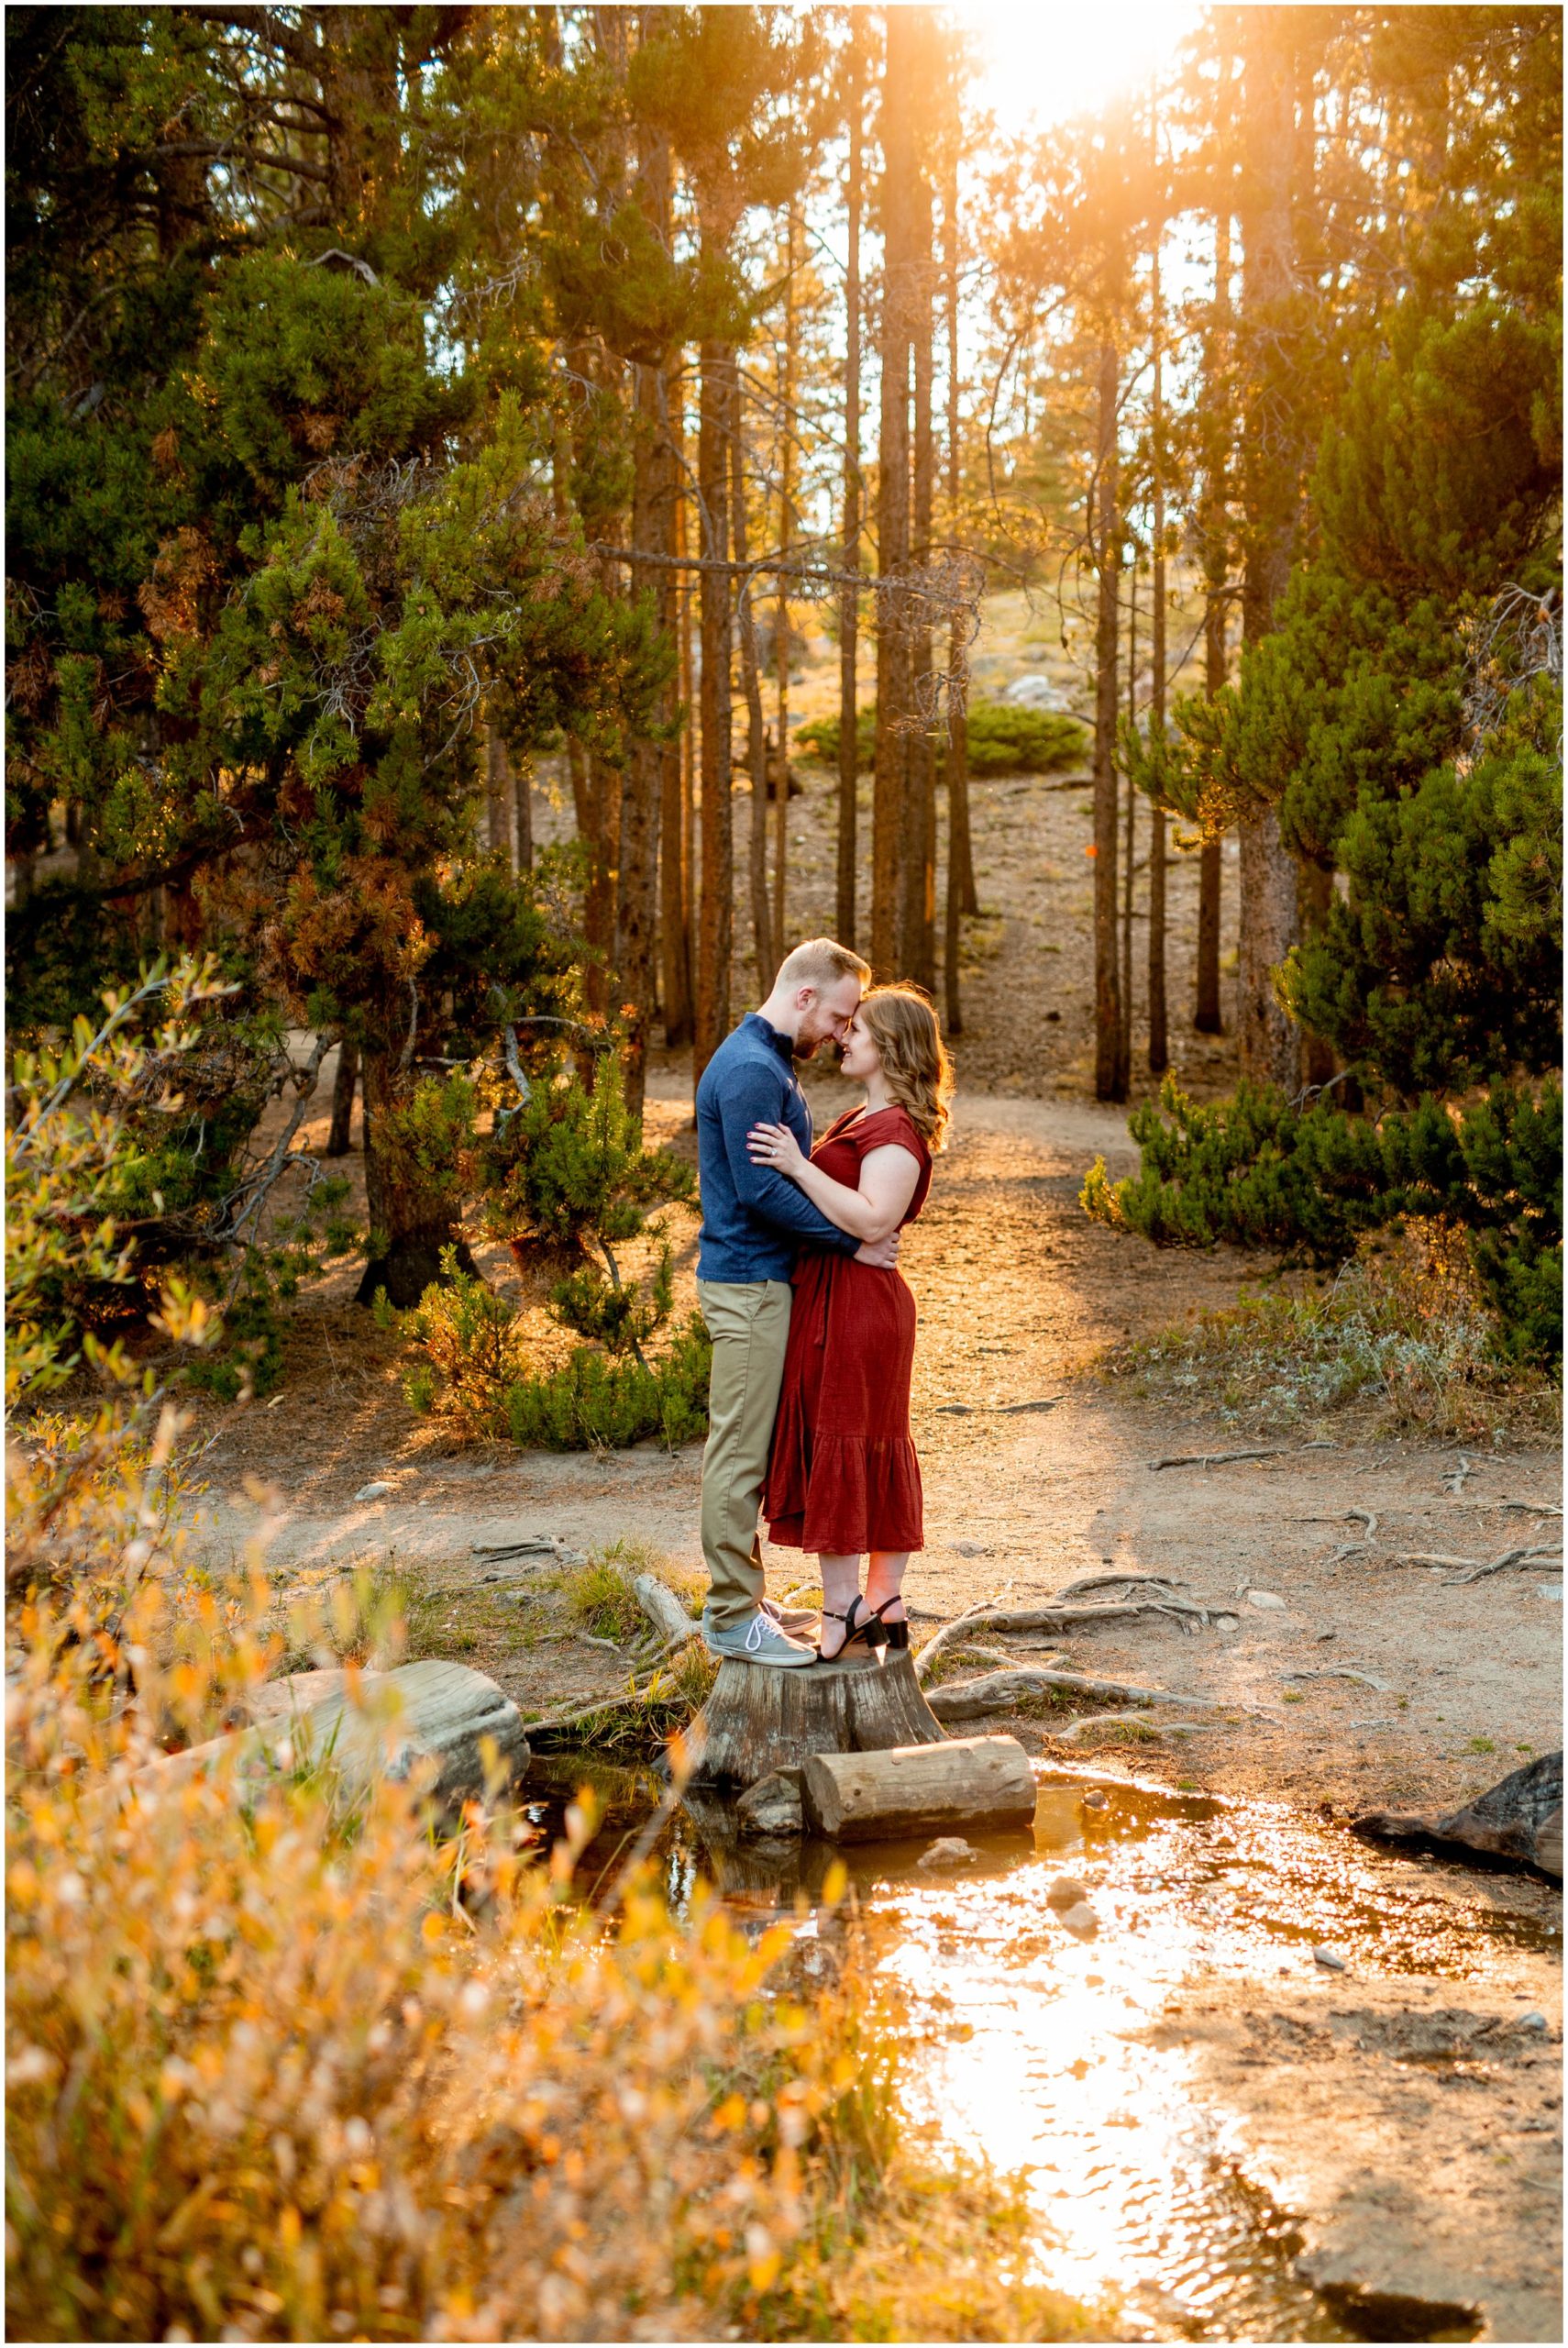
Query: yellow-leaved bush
[(280, 2069)]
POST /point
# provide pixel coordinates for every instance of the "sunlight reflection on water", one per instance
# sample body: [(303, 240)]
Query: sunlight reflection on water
[(1042, 2053)]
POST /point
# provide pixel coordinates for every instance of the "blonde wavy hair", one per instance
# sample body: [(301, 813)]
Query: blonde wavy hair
[(902, 1025)]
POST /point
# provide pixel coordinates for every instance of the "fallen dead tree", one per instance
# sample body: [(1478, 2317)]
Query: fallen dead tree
[(1001, 1691)]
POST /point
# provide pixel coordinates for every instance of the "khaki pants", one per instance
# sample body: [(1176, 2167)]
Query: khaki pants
[(749, 1323)]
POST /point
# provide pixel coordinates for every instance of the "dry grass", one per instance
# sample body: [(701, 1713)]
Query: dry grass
[(1400, 1341)]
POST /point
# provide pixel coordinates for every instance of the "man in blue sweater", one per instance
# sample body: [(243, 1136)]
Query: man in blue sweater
[(753, 1220)]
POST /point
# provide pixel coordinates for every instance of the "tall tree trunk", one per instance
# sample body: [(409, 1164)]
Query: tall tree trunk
[(768, 959), (900, 264), (522, 810), (675, 831), (1214, 541), (653, 492), (781, 608), (715, 916), (1159, 1043), (412, 1215), (1270, 917), (849, 600), (960, 893), (344, 1085), (918, 942), (1131, 824), (1110, 1072), (497, 791)]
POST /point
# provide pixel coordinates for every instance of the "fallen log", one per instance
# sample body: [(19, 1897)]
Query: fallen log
[(977, 1781), (759, 1718), (1519, 1818), (999, 1691), (663, 1609)]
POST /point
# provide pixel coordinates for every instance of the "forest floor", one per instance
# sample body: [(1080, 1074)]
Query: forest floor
[(1020, 1296)]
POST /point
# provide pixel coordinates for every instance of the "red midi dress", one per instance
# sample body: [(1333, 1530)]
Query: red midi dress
[(843, 1477)]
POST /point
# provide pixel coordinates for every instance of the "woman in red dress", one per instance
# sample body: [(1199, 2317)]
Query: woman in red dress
[(842, 1477)]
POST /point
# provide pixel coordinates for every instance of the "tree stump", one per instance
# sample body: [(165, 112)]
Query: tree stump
[(759, 1718)]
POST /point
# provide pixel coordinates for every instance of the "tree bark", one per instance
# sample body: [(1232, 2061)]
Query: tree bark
[(757, 736), (497, 791), (918, 942), (1159, 1042), (1270, 1044), (781, 609), (1110, 1068), (1132, 827), (413, 1215), (961, 895), (849, 601), (715, 919), (1214, 540), (343, 1089), (901, 101), (675, 831), (653, 492)]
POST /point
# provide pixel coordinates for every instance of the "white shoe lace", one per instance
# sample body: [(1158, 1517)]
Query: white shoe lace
[(757, 1630)]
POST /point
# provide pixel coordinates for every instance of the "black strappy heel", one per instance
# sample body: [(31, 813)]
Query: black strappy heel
[(895, 1636), (869, 1629)]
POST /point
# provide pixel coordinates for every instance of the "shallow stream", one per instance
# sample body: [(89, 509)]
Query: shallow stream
[(1041, 2051)]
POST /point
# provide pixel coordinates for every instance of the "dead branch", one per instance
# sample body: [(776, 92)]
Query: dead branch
[(999, 1691), (1215, 1458), (1362, 1678), (949, 1630)]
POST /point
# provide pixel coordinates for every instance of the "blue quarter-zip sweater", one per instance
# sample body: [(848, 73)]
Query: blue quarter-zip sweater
[(752, 1219)]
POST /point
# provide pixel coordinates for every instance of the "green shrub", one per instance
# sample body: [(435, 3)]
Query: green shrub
[(593, 1403), (1259, 1172), (1002, 739)]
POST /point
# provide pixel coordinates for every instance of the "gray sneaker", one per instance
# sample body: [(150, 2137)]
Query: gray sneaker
[(795, 1622), (760, 1640)]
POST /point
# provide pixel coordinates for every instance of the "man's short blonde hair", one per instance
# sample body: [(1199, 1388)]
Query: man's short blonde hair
[(822, 962)]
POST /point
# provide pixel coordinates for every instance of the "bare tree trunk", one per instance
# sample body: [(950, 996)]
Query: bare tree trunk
[(1214, 537), (715, 915), (523, 810), (900, 102), (344, 1083), (960, 893), (1159, 1043), (756, 734), (412, 1214), (849, 601), (781, 609), (1132, 827), (653, 501), (918, 942), (497, 791), (676, 840), (1110, 1072), (1270, 916)]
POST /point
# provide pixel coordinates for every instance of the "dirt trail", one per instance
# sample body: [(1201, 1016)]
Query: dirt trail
[(1017, 1291)]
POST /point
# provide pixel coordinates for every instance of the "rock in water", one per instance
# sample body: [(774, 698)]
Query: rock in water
[(1064, 1893), (1080, 1921), (1519, 1818), (1330, 1959), (772, 1806), (948, 1852)]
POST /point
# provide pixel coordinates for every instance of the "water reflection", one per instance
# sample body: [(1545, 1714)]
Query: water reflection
[(1041, 2051)]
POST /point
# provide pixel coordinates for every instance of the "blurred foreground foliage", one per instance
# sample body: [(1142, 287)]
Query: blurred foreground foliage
[(291, 2060)]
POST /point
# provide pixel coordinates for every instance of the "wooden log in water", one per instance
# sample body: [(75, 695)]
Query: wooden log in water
[(759, 1718), (975, 1781)]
